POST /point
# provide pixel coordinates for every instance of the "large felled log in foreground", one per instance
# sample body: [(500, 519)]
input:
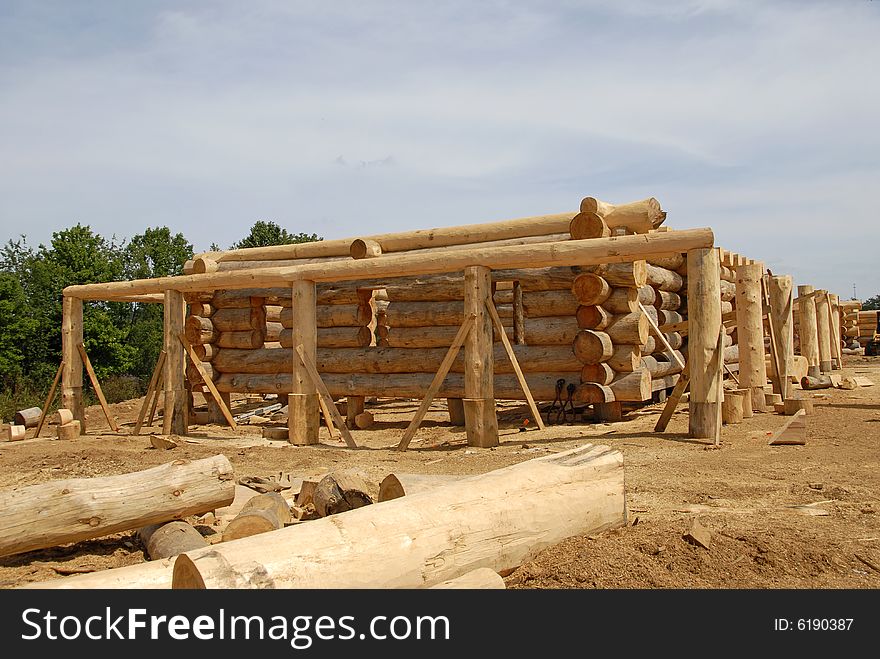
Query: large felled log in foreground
[(142, 576), (470, 523), (396, 385), (532, 359), (82, 508)]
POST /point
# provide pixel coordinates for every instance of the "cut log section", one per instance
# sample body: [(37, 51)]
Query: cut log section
[(70, 430), (29, 418), (262, 513), (394, 486), (637, 216), (472, 523), (85, 508), (590, 289), (168, 540), (15, 433), (341, 491)]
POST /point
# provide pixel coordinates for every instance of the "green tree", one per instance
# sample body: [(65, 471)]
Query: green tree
[(263, 234), (871, 304), (16, 329)]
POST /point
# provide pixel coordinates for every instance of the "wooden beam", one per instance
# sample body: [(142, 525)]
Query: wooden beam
[(71, 376), (97, 386), (793, 431), (672, 402), (618, 249), (175, 408), (160, 385), (303, 422), (493, 314), (49, 399), (208, 382), (328, 399), (750, 332), (481, 422), (451, 354), (151, 388), (328, 420), (704, 358)]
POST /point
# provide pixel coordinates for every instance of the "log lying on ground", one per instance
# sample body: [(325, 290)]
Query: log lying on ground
[(70, 430), (819, 382), (15, 433), (171, 539), (262, 513), (83, 508), (532, 359), (29, 418), (341, 491), (470, 523), (141, 576)]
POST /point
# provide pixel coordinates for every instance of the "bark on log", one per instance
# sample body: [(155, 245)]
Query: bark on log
[(354, 549), (168, 540), (29, 418), (84, 508), (590, 289), (592, 347), (341, 491)]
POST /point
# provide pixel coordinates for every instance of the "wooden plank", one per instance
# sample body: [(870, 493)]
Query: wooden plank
[(97, 386), (672, 402), (793, 431), (328, 420), (160, 385), (671, 352), (496, 320), (774, 353), (445, 365), (719, 392), (49, 399), (328, 399), (151, 388), (210, 384)]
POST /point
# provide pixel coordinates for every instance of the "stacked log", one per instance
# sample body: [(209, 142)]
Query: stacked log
[(867, 324), (849, 321)]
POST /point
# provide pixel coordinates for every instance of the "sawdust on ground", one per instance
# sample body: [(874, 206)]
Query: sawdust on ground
[(780, 517)]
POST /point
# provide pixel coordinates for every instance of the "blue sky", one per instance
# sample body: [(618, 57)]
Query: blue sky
[(759, 119)]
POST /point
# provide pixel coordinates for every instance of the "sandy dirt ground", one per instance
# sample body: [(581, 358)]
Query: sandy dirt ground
[(780, 517)]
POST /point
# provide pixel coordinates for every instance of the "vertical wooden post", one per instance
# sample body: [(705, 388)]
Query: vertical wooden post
[(823, 331), (175, 419), (780, 287), (808, 331), (836, 348), (72, 373), (750, 332), (354, 405), (481, 424), (519, 316), (303, 419), (704, 325), (456, 411)]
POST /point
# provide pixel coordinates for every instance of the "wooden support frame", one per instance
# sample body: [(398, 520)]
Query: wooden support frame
[(678, 390), (328, 420), (776, 377), (207, 379), (661, 337), (49, 399), (158, 393), (151, 389), (323, 393), (496, 321), (445, 365), (97, 385)]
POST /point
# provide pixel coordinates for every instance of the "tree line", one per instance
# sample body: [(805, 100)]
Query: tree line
[(123, 340)]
